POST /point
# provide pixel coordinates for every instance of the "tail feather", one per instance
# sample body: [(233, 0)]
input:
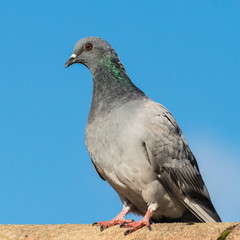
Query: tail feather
[(203, 214)]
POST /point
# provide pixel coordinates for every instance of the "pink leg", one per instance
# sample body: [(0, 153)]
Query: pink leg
[(119, 219), (137, 225)]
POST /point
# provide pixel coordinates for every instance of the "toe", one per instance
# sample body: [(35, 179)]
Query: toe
[(129, 221)]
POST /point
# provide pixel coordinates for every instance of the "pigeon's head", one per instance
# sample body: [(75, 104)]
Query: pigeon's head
[(90, 51)]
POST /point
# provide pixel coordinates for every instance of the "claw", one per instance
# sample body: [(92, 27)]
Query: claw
[(101, 228), (95, 223), (150, 228), (127, 232), (122, 225)]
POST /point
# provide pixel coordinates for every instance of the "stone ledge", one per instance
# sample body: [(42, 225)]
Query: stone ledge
[(163, 231)]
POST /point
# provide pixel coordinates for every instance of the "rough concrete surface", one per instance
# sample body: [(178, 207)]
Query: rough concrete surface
[(166, 231)]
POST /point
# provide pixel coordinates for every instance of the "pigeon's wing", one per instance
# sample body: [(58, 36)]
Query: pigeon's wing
[(174, 163)]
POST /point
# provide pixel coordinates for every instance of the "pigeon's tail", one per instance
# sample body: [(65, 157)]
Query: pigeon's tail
[(203, 213), (197, 203), (195, 212)]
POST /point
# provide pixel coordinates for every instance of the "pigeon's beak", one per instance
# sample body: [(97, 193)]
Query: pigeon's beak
[(71, 60)]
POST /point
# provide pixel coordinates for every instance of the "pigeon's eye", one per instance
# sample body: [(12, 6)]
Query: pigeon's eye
[(88, 46)]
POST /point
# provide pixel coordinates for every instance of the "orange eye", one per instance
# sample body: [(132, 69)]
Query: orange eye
[(88, 46)]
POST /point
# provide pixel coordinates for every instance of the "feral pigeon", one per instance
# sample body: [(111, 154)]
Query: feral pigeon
[(136, 145)]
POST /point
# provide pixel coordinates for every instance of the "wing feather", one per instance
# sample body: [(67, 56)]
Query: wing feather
[(178, 173)]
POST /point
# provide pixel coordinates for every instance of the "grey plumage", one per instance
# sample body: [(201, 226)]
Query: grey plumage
[(136, 144)]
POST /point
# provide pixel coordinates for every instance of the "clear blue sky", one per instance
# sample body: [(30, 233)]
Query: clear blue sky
[(183, 54)]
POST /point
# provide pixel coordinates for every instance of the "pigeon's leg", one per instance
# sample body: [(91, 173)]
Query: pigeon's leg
[(119, 219), (146, 221)]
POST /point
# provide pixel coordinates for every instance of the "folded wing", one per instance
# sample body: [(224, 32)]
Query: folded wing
[(175, 165)]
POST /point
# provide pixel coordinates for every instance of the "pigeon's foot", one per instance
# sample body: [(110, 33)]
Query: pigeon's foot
[(107, 224), (118, 220), (137, 225)]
